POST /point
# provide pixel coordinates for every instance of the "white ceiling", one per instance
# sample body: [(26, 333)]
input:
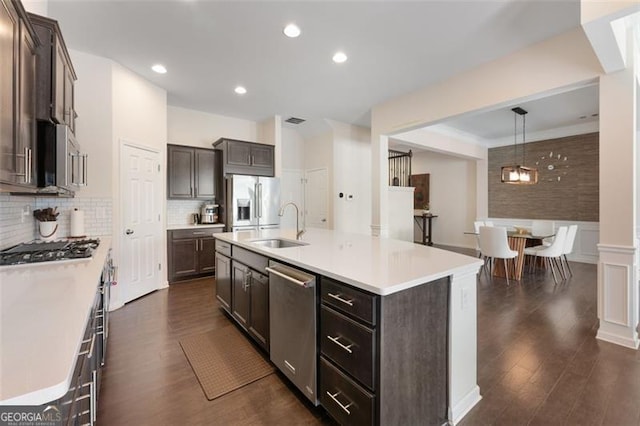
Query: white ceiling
[(394, 47)]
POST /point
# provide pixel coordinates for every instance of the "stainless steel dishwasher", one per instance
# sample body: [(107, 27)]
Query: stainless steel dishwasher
[(292, 315)]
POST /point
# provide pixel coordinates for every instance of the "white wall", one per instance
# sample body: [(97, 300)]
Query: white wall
[(94, 103), (292, 149), (318, 154), (352, 177), (452, 196), (401, 221), (292, 188), (196, 128)]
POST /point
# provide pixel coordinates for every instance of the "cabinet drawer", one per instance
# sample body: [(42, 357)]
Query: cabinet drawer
[(251, 259), (348, 344), (347, 402), (178, 234), (349, 300), (223, 247)]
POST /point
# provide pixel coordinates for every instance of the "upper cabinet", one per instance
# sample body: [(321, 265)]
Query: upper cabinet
[(246, 158), (55, 75), (192, 173), (18, 45)]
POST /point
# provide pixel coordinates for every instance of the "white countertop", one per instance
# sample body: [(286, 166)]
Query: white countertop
[(379, 265), (44, 308), (192, 226)]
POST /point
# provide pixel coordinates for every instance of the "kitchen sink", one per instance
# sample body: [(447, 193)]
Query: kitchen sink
[(278, 243)]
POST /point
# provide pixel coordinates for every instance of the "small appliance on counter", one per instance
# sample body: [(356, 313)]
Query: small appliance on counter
[(209, 213)]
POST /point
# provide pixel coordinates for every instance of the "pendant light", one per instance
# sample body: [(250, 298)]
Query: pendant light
[(517, 174)]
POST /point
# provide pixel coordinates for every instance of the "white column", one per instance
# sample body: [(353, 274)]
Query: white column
[(618, 297), (464, 392), (379, 184), (482, 189)]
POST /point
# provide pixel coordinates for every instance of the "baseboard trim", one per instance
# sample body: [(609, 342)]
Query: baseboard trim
[(618, 340), (465, 405)]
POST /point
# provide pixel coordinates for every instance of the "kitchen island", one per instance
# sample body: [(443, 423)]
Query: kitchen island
[(399, 277)]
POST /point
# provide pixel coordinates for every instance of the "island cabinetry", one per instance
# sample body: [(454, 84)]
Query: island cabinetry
[(191, 173), (191, 253), (383, 359), (244, 291), (246, 158)]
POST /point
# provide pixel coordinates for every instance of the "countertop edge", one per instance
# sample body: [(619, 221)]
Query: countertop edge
[(470, 267), (58, 390)]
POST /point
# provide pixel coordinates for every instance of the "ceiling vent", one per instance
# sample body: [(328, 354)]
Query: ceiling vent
[(295, 120)]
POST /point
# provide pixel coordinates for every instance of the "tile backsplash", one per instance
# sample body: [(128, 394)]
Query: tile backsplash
[(18, 225), (180, 212)]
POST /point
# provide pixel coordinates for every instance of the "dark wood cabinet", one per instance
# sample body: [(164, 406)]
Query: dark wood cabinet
[(246, 158), (55, 75), (244, 292), (259, 308), (191, 253), (191, 173), (18, 45), (383, 359), (223, 281), (240, 293)]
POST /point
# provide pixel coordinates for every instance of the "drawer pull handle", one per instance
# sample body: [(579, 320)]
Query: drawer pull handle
[(344, 407), (337, 297), (337, 342), (199, 233)]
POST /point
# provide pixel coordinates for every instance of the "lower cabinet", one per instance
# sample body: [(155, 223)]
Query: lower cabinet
[(242, 288), (79, 406), (191, 253)]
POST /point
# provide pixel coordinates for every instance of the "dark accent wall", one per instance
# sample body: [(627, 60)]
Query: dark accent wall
[(574, 196)]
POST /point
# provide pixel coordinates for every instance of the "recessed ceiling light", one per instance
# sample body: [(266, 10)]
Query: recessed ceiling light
[(160, 69), (339, 57), (292, 31), (240, 90)]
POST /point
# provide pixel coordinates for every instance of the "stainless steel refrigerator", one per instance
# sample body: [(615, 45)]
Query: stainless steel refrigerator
[(252, 202)]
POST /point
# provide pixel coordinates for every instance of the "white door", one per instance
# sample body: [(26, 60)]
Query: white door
[(141, 234), (292, 189), (316, 196)]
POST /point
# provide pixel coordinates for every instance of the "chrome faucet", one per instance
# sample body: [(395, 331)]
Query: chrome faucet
[(299, 231)]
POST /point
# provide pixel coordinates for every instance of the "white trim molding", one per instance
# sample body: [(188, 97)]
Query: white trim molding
[(464, 392), (618, 309)]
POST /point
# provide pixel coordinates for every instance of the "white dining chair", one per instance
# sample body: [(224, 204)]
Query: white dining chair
[(495, 245), (543, 228), (552, 254), (568, 246)]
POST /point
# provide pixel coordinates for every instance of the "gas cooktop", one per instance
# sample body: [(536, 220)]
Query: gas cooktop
[(45, 251)]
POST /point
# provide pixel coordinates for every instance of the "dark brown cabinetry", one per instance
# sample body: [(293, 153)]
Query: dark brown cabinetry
[(383, 359), (243, 289), (223, 280), (191, 253), (191, 173), (246, 158), (18, 44), (55, 75)]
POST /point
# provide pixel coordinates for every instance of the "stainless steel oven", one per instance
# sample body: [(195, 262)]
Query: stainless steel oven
[(60, 161)]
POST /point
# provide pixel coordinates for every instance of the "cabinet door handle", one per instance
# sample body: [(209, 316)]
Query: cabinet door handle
[(199, 233), (336, 340), (337, 297), (247, 280), (335, 399)]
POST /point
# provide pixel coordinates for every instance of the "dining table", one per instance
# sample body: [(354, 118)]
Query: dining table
[(518, 241)]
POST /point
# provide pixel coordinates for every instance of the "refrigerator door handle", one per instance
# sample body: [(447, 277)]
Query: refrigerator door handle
[(259, 200)]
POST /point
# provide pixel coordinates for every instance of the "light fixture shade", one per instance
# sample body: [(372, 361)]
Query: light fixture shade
[(519, 175)]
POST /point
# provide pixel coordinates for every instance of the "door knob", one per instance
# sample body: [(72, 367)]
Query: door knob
[(323, 220), (129, 231)]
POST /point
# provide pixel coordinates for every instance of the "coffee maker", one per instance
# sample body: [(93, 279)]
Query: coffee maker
[(209, 213)]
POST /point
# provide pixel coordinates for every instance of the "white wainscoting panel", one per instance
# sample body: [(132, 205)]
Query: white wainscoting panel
[(618, 307)]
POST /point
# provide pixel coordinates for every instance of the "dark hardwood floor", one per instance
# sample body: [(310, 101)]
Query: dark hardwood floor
[(538, 362), (147, 379)]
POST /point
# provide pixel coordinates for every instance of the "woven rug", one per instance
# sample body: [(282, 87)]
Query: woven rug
[(224, 360)]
